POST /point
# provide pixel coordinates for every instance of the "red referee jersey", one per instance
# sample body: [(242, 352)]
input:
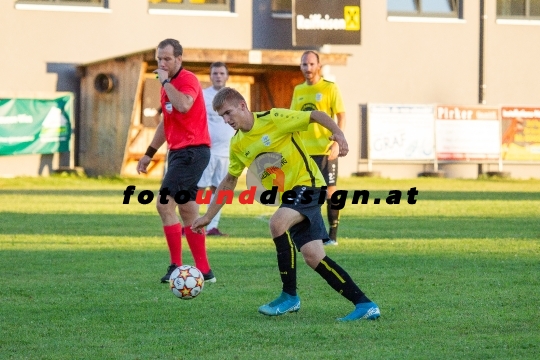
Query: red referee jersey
[(191, 128)]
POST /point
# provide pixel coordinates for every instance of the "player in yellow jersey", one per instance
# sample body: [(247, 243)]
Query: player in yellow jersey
[(317, 93), (276, 134)]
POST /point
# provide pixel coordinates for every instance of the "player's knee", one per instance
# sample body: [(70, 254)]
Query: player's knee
[(313, 252), (277, 228), (312, 260), (163, 209)]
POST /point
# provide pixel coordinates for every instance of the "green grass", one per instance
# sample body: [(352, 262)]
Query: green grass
[(457, 276)]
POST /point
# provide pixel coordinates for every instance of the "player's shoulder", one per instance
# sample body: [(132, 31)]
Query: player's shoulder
[(262, 114), (282, 112), (187, 75), (328, 83)]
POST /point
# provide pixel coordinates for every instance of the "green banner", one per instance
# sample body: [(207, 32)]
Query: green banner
[(35, 126)]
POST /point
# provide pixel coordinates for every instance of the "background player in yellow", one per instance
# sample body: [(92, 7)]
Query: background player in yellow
[(274, 132), (317, 93)]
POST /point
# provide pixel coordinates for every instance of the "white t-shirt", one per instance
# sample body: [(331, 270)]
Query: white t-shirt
[(220, 133)]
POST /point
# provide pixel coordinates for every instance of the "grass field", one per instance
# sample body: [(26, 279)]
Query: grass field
[(456, 275)]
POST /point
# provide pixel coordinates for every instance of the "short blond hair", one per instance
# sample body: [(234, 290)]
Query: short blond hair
[(227, 94)]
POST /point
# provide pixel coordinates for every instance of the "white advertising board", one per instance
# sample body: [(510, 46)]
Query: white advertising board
[(401, 132), (467, 133)]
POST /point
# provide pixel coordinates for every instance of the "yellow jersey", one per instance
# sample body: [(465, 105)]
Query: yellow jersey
[(274, 148), (323, 96)]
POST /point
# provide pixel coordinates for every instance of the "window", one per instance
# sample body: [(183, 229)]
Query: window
[(218, 5), (101, 6), (102, 3), (427, 8), (518, 9)]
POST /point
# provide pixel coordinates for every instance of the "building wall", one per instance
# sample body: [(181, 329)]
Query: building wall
[(434, 61), (38, 46)]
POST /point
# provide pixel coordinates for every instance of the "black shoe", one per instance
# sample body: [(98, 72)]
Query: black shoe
[(209, 277), (170, 269)]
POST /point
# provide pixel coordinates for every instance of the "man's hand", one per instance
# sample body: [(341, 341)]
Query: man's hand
[(339, 138), (143, 164), (199, 224), (334, 151), (162, 75)]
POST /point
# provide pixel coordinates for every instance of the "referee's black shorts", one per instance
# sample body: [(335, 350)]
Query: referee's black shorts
[(312, 227), (184, 169)]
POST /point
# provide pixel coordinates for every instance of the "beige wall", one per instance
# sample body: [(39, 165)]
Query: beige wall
[(30, 39), (436, 62), (512, 61)]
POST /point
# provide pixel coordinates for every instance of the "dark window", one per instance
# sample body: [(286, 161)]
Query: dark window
[(428, 8), (218, 5), (282, 6), (518, 9)]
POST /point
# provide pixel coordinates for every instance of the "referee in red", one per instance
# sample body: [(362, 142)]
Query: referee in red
[(184, 126)]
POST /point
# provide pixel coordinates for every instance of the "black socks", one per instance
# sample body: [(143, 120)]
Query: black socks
[(286, 257), (333, 220), (340, 281)]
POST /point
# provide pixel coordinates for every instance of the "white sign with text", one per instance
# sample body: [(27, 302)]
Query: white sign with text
[(401, 132)]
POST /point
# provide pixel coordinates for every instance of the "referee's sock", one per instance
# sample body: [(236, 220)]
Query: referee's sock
[(286, 258), (173, 235), (197, 245), (340, 281)]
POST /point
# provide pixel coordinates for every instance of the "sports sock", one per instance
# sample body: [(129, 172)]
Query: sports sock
[(173, 234), (340, 281), (197, 245), (286, 258), (333, 220)]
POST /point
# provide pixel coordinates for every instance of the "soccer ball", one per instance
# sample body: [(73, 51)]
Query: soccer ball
[(186, 282)]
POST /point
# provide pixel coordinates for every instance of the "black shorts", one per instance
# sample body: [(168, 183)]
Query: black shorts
[(329, 168), (312, 227), (184, 169)]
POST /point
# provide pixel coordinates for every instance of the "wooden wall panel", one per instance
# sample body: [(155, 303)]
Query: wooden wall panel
[(106, 117)]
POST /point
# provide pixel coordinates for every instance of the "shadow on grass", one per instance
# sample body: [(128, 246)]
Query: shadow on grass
[(126, 225)]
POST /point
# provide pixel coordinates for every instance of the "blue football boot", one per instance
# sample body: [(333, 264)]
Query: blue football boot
[(283, 304), (368, 311)]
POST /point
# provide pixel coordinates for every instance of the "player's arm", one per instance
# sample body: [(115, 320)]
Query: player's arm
[(228, 183), (157, 141), (334, 148), (326, 121), (341, 121), (178, 99)]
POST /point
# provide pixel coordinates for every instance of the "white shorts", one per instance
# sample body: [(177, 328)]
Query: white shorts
[(215, 172)]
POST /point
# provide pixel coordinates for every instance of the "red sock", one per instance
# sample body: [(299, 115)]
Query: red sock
[(173, 234), (197, 244)]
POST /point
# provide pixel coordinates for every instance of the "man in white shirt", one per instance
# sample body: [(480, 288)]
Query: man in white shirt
[(220, 135)]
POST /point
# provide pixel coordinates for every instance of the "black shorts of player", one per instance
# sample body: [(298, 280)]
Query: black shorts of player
[(307, 203), (329, 168), (184, 169)]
